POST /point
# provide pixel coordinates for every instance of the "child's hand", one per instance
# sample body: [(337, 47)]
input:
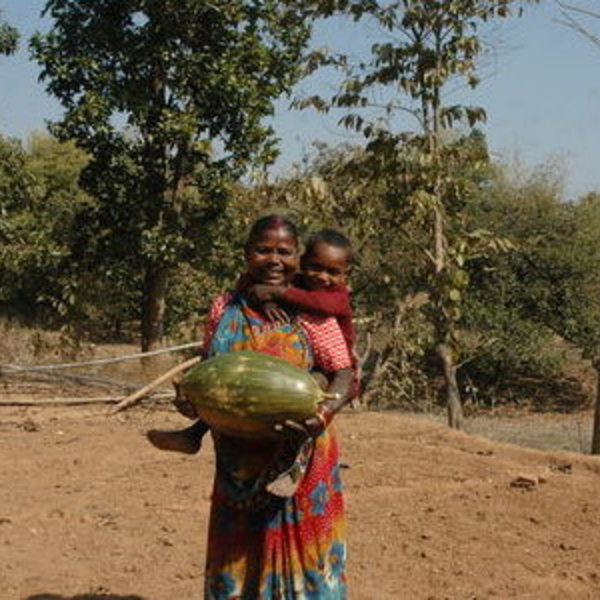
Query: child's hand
[(264, 293), (275, 313)]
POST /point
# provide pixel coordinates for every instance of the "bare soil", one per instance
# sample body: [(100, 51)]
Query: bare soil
[(90, 511)]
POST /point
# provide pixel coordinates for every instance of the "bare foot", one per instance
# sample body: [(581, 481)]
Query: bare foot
[(176, 441)]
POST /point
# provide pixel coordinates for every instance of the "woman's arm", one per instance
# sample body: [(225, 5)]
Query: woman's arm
[(339, 391), (331, 356)]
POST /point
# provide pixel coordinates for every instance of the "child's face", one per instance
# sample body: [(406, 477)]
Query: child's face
[(325, 266), (272, 258)]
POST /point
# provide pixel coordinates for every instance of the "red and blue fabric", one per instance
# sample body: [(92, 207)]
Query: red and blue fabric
[(260, 546)]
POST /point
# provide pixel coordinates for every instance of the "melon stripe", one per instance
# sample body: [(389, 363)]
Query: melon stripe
[(246, 393)]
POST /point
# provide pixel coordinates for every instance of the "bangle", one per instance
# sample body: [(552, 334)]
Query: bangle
[(322, 420), (325, 415)]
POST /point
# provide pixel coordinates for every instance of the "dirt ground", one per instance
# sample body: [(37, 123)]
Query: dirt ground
[(89, 510)]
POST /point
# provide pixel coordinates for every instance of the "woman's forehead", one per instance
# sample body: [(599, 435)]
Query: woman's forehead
[(278, 234)]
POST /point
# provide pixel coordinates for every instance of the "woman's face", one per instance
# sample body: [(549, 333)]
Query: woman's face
[(272, 258)]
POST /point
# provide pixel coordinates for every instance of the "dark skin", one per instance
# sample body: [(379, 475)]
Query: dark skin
[(324, 266), (272, 259), (339, 389)]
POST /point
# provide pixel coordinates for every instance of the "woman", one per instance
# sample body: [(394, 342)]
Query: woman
[(277, 527)]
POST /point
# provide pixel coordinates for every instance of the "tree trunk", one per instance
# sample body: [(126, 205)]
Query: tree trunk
[(453, 403), (596, 434), (153, 307)]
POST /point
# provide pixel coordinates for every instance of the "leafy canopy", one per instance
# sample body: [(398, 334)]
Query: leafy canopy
[(168, 97), (9, 37)]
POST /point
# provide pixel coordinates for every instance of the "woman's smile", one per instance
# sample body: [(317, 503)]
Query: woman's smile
[(273, 276), (273, 257)]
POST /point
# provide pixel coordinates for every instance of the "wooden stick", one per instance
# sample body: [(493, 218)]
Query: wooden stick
[(74, 401), (134, 398), (79, 379)]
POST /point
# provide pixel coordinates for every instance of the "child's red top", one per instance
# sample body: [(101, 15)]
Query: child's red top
[(333, 301), (328, 302)]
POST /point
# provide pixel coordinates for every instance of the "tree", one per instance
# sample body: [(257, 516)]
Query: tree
[(566, 295), (506, 291), (429, 44), (583, 309), (9, 37), (578, 18), (164, 96), (39, 202), (550, 283), (15, 193)]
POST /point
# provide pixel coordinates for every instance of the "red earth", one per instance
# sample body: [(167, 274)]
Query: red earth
[(89, 510)]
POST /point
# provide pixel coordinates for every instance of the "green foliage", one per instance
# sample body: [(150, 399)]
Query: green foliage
[(541, 291), (9, 37), (40, 201), (164, 96), (515, 348), (449, 248), (427, 45), (14, 182)]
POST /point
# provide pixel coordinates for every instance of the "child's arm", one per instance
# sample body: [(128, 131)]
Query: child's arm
[(332, 302)]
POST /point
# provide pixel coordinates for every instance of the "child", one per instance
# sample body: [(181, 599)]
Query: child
[(320, 288)]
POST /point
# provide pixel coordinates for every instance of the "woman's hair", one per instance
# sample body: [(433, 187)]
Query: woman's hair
[(273, 221), (331, 237)]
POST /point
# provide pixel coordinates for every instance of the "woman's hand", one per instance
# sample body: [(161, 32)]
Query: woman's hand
[(311, 427), (182, 404)]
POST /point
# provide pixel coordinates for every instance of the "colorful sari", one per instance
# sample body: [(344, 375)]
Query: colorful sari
[(261, 546)]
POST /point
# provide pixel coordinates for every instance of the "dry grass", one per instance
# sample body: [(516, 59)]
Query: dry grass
[(22, 346), (26, 346), (548, 431)]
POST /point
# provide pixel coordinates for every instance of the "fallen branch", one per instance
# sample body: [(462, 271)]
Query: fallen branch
[(134, 398)]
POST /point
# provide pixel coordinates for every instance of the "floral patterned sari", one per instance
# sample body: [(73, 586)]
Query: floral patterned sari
[(262, 546)]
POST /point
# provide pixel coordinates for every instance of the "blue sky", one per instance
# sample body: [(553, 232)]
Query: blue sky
[(540, 88)]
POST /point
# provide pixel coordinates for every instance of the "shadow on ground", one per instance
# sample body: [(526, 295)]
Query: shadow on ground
[(84, 597)]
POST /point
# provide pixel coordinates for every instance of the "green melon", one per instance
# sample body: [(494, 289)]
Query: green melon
[(246, 393)]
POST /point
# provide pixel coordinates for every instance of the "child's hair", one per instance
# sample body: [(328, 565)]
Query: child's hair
[(331, 237), (273, 221)]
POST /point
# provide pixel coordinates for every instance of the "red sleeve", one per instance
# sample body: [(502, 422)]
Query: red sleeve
[(212, 321), (332, 302)]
